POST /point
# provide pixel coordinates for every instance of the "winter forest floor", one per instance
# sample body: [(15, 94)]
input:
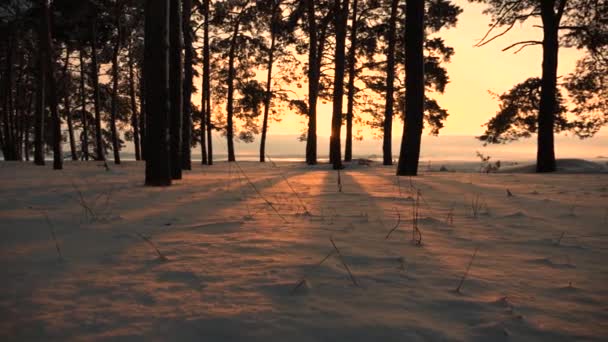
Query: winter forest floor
[(244, 261)]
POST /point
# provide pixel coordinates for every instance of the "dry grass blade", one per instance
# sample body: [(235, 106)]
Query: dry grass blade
[(303, 280), (255, 188), (466, 273), (559, 240), (88, 211), (396, 225), (161, 256), (352, 278), (306, 211), (52, 229)]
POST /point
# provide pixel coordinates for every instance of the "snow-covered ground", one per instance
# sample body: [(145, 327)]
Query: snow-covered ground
[(244, 255)]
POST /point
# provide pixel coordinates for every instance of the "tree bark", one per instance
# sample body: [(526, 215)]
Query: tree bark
[(40, 112), (414, 83), (336, 120), (142, 114), (387, 149), (187, 86), (99, 148), (114, 105), (230, 100), (134, 116), (56, 121), (66, 103), (156, 78), (313, 85), (206, 83), (85, 123), (350, 104), (175, 87), (545, 156), (273, 32)]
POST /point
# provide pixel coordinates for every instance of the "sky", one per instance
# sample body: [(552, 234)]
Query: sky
[(473, 71)]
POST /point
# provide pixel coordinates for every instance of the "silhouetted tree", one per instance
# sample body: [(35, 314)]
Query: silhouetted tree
[(156, 78), (414, 83), (341, 10), (175, 87), (583, 20)]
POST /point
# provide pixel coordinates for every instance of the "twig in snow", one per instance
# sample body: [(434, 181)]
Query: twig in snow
[(396, 225), (52, 229), (303, 280), (352, 278), (450, 217), (161, 256), (258, 192), (415, 215), (559, 240), (306, 211), (466, 273)]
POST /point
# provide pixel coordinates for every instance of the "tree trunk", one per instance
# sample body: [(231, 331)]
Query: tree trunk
[(142, 113), (114, 105), (336, 120), (99, 148), (352, 61), (40, 112), (56, 121), (85, 123), (545, 156), (66, 103), (203, 134), (273, 31), (156, 78), (313, 85), (230, 100), (414, 83), (134, 119), (206, 83), (175, 87), (187, 86), (8, 143), (387, 149)]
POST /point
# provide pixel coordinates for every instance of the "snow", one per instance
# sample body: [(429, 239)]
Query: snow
[(234, 263)]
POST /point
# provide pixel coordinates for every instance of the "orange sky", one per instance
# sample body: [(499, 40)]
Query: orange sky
[(473, 71)]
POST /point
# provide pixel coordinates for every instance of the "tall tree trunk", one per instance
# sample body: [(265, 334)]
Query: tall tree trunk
[(352, 61), (230, 100), (83, 118), (56, 121), (156, 78), (545, 156), (40, 111), (187, 86), (8, 145), (134, 116), (273, 32), (114, 105), (142, 114), (313, 85), (206, 83), (203, 134), (335, 150), (387, 150), (175, 87), (414, 83), (66, 103), (99, 148)]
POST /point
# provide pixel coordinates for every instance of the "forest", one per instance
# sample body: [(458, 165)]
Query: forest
[(74, 74)]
